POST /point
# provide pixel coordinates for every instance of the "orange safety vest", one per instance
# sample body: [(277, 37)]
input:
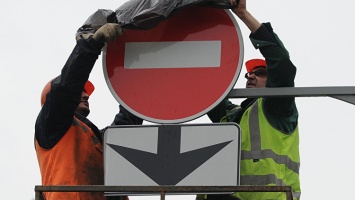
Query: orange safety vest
[(77, 159)]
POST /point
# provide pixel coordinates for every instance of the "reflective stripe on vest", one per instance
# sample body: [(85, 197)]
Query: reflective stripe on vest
[(265, 180), (256, 153)]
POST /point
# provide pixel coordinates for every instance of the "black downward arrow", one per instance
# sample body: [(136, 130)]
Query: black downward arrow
[(168, 166)]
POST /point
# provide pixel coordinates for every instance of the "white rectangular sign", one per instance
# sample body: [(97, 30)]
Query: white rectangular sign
[(180, 155), (185, 54)]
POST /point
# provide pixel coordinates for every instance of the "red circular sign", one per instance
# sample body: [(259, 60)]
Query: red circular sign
[(178, 70)]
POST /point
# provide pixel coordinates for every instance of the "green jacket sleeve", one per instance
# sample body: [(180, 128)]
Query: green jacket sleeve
[(281, 112), (224, 111)]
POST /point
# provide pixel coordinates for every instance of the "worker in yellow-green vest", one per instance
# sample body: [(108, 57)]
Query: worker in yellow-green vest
[(269, 126)]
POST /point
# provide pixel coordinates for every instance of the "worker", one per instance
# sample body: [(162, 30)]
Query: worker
[(269, 126), (68, 145)]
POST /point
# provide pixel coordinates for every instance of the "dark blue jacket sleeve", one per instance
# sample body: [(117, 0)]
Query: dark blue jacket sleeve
[(57, 113), (124, 117)]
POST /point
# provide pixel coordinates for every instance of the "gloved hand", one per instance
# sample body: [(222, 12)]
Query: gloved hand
[(108, 33)]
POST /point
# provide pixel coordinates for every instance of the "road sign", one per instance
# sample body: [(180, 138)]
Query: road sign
[(178, 70), (179, 155)]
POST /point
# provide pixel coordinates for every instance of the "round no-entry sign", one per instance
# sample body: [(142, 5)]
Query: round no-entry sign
[(178, 70)]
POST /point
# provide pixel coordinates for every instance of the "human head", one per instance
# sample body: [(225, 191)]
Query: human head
[(83, 105), (256, 73)]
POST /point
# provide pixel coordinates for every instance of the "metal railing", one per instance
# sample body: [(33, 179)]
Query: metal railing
[(162, 190)]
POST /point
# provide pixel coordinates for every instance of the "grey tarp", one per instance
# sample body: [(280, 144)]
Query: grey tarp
[(143, 14)]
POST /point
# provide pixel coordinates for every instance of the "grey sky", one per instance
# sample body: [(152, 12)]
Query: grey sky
[(37, 37)]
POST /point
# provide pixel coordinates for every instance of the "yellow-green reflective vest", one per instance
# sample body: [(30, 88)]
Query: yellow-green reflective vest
[(268, 157)]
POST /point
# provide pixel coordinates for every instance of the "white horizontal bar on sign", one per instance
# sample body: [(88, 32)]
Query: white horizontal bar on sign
[(186, 54)]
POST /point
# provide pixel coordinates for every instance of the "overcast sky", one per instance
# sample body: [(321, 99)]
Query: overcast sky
[(37, 37)]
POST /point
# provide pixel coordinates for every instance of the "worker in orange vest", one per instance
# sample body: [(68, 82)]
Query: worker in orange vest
[(69, 146)]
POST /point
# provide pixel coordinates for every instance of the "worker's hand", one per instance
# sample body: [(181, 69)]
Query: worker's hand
[(108, 33), (241, 11), (240, 7)]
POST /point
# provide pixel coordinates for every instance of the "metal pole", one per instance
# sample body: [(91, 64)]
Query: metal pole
[(162, 195), (344, 93), (37, 195), (289, 195)]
